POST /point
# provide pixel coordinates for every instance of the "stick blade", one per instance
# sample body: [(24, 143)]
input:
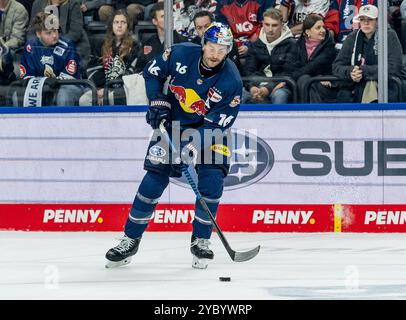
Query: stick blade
[(246, 255)]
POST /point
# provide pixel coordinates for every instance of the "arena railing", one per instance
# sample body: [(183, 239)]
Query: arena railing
[(304, 91), (291, 83), (69, 82)]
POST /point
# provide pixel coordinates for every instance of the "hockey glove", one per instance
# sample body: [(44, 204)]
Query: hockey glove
[(158, 111)]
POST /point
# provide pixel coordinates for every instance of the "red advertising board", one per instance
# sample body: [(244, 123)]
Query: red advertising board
[(167, 217), (231, 217)]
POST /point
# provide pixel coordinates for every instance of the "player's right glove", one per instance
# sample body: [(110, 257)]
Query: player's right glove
[(158, 110)]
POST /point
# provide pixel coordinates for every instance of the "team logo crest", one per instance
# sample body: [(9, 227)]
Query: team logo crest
[(189, 99), (147, 50), (47, 60), (28, 48)]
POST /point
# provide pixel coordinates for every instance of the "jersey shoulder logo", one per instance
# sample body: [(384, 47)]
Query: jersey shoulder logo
[(235, 102), (166, 54)]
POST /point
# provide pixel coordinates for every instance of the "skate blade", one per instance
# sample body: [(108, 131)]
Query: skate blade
[(116, 264), (200, 263)]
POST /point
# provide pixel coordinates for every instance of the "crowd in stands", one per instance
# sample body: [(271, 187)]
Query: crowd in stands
[(286, 50)]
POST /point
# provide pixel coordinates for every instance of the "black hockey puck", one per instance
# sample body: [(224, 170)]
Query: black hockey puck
[(225, 279)]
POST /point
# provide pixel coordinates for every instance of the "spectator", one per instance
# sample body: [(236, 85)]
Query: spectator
[(70, 21), (148, 10), (244, 18), (155, 44), (274, 54), (13, 23), (6, 70), (89, 8), (357, 61), (340, 17), (134, 8), (295, 11), (316, 56), (51, 56), (195, 6), (119, 54), (202, 20)]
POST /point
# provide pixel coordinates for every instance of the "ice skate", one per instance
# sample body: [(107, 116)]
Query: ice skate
[(201, 253), (121, 254)]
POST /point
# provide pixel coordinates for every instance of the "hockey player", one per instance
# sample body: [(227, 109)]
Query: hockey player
[(51, 56), (204, 93)]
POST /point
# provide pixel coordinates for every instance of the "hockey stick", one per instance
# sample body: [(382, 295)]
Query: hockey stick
[(236, 256)]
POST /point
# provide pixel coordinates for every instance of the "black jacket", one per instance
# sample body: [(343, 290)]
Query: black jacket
[(7, 74), (282, 61), (320, 61), (342, 65), (151, 47), (100, 73)]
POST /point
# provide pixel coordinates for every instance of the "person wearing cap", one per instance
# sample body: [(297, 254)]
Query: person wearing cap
[(340, 18), (357, 61)]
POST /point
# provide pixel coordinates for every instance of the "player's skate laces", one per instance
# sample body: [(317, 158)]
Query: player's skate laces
[(121, 254), (201, 252)]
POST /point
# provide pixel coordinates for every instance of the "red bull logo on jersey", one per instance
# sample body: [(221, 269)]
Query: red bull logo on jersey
[(189, 100)]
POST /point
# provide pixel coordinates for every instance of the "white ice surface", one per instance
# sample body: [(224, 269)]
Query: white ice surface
[(63, 265)]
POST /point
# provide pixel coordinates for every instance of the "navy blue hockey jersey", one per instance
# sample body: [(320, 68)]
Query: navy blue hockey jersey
[(60, 61), (196, 101)]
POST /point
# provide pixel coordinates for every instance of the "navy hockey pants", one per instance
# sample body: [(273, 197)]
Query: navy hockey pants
[(210, 185)]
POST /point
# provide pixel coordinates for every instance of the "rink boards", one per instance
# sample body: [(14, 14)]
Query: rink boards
[(308, 171)]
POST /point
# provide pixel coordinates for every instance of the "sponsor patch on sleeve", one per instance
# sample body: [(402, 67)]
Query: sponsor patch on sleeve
[(22, 71), (59, 51), (221, 149), (147, 50), (235, 102), (71, 67)]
